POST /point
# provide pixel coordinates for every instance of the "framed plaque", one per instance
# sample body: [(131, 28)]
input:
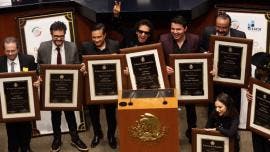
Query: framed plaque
[(254, 22), (192, 78), (231, 59), (62, 87), (147, 68), (19, 99), (105, 77), (259, 108), (210, 141)]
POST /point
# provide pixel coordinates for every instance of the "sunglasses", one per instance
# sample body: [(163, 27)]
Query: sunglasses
[(141, 32)]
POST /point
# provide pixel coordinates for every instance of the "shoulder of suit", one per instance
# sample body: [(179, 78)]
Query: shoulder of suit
[(25, 56), (112, 44), (2, 57), (192, 35), (209, 30), (236, 31), (45, 42), (165, 37), (112, 41), (69, 43)]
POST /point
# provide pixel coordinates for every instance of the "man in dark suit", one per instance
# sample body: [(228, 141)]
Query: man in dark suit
[(19, 133), (101, 45), (178, 41), (222, 28), (59, 51)]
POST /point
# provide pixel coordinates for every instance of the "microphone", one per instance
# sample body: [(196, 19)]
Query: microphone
[(130, 103), (161, 93)]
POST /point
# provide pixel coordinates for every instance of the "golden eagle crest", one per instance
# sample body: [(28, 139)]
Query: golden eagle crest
[(148, 128)]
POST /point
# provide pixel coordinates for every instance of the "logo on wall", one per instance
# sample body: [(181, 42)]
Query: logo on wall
[(235, 24), (252, 26)]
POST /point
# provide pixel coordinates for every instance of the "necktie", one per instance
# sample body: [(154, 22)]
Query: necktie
[(59, 59), (12, 66)]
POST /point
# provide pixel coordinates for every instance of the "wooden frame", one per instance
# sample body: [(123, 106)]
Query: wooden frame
[(262, 113), (255, 24), (37, 28), (75, 79), (152, 50), (204, 59), (101, 63), (215, 136), (17, 79), (243, 47)]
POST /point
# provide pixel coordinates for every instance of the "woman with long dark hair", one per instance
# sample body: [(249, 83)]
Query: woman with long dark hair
[(225, 118)]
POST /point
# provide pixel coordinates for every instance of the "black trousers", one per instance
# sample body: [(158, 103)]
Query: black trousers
[(19, 136), (191, 117), (94, 112), (260, 143), (71, 121)]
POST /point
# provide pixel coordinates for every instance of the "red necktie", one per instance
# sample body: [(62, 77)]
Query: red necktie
[(59, 59)]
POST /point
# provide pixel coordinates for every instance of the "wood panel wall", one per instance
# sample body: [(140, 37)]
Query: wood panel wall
[(9, 25)]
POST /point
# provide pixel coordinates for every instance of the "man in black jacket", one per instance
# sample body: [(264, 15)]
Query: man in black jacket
[(19, 133), (222, 28), (101, 45)]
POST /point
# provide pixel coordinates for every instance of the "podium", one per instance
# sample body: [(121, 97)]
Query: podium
[(148, 121)]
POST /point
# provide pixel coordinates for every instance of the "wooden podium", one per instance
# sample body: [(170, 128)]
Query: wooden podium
[(148, 121)]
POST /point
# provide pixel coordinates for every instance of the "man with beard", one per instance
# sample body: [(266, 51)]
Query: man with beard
[(59, 51), (222, 28)]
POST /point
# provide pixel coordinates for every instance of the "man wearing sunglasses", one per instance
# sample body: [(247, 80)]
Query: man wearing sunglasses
[(178, 41), (142, 33)]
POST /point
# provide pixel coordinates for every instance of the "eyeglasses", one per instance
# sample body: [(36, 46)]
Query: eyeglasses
[(58, 36), (145, 32), (223, 28)]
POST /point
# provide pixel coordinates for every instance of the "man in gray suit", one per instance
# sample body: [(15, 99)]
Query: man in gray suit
[(59, 51)]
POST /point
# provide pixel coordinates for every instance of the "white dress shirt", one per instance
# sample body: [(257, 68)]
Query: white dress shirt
[(54, 54), (16, 64)]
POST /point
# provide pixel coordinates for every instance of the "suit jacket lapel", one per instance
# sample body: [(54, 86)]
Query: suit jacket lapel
[(5, 67), (21, 61), (49, 52), (67, 55)]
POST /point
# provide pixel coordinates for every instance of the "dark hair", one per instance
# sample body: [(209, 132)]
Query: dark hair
[(262, 62), (11, 39), (145, 22), (148, 23), (224, 16), (99, 26), (58, 26), (229, 103), (180, 20)]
